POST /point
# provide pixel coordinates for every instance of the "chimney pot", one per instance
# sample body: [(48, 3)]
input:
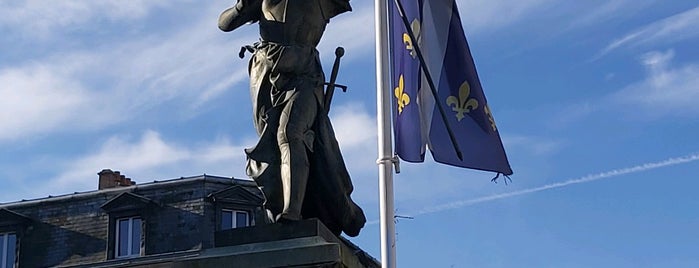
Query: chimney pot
[(112, 179), (107, 179)]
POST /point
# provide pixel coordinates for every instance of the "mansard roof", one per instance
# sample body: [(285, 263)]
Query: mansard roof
[(141, 186)]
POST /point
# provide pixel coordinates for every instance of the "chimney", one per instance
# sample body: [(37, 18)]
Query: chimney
[(113, 179)]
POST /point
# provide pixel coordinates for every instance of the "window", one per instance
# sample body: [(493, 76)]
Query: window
[(128, 213), (8, 249), (234, 219), (128, 237)]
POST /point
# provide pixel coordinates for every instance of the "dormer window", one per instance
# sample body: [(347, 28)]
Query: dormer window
[(127, 225), (8, 250), (236, 207), (234, 219), (12, 227)]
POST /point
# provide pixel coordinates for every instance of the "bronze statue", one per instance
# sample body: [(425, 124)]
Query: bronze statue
[(297, 161)]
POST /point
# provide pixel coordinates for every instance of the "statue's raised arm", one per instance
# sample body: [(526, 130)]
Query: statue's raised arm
[(243, 12)]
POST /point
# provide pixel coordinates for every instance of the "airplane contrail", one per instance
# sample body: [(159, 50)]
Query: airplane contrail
[(584, 179)]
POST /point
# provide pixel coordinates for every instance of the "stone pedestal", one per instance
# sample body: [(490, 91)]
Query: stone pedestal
[(306, 243)]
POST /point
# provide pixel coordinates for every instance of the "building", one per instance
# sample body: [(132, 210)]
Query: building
[(186, 222)]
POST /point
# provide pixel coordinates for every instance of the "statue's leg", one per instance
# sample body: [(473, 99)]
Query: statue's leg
[(266, 173), (295, 140)]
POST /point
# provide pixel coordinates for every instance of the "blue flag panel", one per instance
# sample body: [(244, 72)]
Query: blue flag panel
[(410, 144), (448, 59)]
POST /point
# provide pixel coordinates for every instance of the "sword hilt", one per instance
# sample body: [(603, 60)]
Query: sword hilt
[(330, 90)]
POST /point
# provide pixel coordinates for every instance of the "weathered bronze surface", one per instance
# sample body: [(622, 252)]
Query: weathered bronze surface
[(297, 161)]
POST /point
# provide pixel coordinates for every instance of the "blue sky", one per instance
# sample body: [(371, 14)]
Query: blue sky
[(603, 89)]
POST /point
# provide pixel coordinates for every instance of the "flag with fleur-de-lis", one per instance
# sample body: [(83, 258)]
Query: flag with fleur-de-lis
[(409, 139), (448, 59)]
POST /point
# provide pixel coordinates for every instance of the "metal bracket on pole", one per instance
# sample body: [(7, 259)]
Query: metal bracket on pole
[(394, 160)]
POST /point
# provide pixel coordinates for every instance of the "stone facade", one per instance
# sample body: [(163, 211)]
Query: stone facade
[(179, 216), (180, 226)]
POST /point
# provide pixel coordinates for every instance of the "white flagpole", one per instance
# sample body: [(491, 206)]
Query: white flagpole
[(383, 115)]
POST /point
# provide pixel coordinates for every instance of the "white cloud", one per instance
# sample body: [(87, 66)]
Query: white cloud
[(50, 18), (671, 29), (38, 98), (601, 12), (185, 67), (354, 31), (657, 61), (532, 145), (481, 16), (195, 63), (354, 127), (151, 157), (355, 130), (666, 90), (573, 112), (101, 86)]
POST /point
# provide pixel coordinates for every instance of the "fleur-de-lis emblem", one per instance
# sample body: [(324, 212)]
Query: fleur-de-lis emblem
[(462, 104), (415, 26), (490, 117), (403, 98)]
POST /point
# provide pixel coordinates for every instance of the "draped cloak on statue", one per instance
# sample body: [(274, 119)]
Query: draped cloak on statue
[(285, 70)]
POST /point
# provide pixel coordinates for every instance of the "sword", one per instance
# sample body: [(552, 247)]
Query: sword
[(330, 90)]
